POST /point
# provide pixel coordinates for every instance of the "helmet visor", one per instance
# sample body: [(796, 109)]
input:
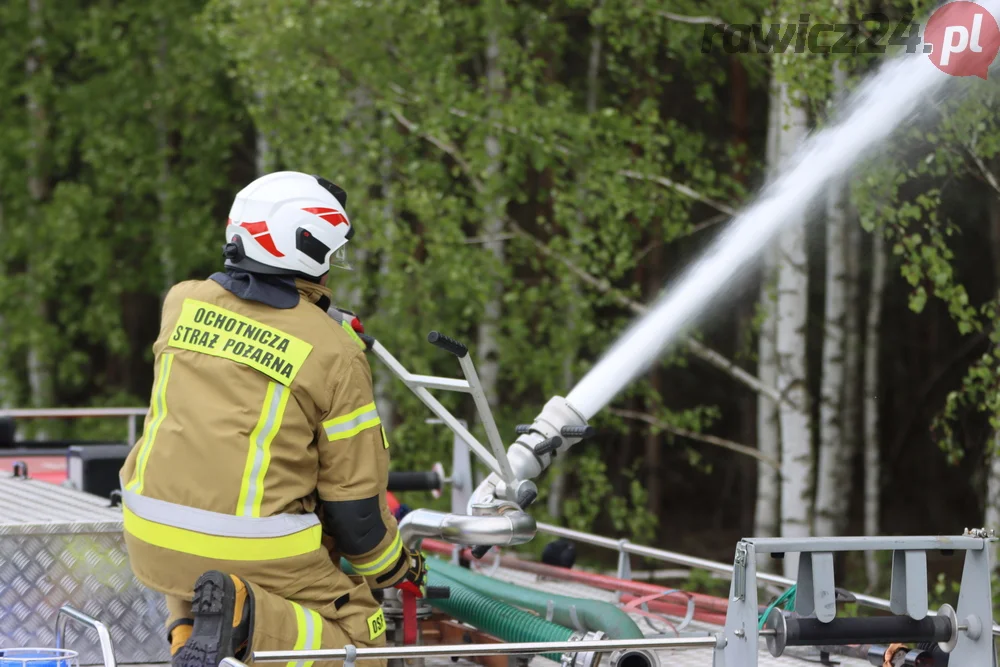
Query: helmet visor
[(340, 259)]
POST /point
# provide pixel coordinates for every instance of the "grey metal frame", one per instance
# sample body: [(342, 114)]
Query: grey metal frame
[(76, 413), (67, 613), (419, 384), (631, 548), (350, 654), (815, 594)]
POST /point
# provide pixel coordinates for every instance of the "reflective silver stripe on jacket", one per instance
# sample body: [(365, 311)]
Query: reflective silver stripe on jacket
[(215, 523), (352, 423)]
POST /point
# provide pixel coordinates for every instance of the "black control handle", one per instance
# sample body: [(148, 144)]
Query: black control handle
[(438, 593), (521, 429), (447, 344), (415, 481), (550, 445), (369, 341), (480, 550), (581, 432)]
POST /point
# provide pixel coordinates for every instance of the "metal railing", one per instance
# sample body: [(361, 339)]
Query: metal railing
[(628, 547), (76, 413), (350, 654), (67, 613)]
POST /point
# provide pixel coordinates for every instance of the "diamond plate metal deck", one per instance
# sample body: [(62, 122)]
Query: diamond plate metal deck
[(60, 546)]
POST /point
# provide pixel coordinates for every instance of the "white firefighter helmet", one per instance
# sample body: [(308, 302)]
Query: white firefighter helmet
[(288, 223)]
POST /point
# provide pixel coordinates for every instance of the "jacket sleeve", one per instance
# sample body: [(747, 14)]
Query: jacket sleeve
[(353, 480)]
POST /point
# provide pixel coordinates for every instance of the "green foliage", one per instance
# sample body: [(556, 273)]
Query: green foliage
[(475, 182), (904, 204)]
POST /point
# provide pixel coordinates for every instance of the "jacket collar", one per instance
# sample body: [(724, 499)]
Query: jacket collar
[(274, 291), (314, 293)]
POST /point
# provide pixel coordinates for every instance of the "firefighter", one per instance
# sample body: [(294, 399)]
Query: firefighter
[(262, 449)]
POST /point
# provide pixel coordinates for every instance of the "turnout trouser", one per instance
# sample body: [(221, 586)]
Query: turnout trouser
[(302, 602)]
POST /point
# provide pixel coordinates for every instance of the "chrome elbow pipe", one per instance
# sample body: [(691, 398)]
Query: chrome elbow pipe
[(509, 526)]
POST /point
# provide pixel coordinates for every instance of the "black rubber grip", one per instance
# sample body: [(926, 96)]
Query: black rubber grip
[(550, 445), (521, 429), (415, 481), (438, 592), (369, 341), (480, 550), (578, 431), (447, 344), (872, 630)]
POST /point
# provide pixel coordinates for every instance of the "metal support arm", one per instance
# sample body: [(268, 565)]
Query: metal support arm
[(67, 613)]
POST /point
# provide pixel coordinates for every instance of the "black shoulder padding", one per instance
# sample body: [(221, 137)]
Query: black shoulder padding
[(356, 525)]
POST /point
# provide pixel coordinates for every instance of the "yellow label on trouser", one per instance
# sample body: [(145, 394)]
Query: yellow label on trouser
[(212, 330), (376, 625)]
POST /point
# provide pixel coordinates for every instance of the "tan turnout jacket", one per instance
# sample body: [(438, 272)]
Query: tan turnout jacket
[(259, 417)]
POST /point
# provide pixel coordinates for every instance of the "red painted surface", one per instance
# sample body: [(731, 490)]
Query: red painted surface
[(708, 608), (50, 469)]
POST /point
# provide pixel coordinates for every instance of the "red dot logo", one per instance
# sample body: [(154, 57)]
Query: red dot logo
[(962, 39)]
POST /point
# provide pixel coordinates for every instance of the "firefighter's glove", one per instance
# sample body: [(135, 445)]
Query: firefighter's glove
[(415, 579)]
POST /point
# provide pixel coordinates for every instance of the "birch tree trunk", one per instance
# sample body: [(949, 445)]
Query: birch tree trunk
[(991, 518), (793, 293), (346, 286), (39, 373), (872, 500), (264, 157), (487, 346), (766, 509), (834, 480), (383, 378)]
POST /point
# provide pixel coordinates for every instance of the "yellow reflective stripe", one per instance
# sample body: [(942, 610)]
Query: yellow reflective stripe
[(259, 456), (385, 439), (159, 413), (222, 548), (382, 562), (310, 632), (346, 326), (209, 329), (353, 423)]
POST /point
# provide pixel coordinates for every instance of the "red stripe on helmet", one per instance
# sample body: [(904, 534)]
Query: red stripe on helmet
[(267, 242), (333, 216), (255, 227), (258, 230)]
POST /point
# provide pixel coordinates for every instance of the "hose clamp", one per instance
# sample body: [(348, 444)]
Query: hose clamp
[(585, 658)]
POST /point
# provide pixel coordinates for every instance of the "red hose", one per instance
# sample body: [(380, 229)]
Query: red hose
[(708, 608)]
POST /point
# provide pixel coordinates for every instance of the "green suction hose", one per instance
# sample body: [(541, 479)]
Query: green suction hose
[(491, 616), (495, 617), (592, 614)]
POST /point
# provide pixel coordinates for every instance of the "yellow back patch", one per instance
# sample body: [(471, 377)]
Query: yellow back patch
[(212, 330), (376, 625)]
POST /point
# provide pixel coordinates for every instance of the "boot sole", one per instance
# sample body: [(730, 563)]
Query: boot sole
[(212, 635)]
